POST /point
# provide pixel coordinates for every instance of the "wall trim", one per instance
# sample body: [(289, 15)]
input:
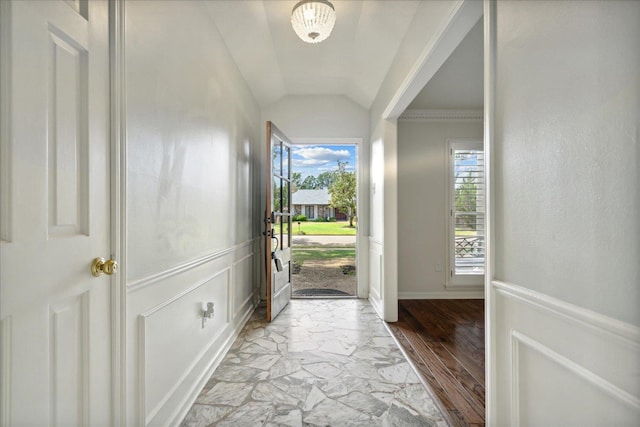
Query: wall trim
[(142, 353), (193, 393), (442, 116), (376, 302), (375, 294), (189, 265), (6, 207), (185, 292), (518, 338), (573, 313), (6, 350), (442, 295), (148, 417), (231, 296), (253, 298), (490, 32), (376, 241)]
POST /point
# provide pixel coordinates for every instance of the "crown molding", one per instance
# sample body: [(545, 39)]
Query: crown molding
[(443, 115)]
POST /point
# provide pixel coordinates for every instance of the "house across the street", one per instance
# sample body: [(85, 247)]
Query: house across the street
[(314, 204)]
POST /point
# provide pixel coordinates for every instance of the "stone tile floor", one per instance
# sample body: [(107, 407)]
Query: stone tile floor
[(320, 363)]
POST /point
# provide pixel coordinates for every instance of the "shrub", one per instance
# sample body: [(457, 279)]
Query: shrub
[(332, 219), (301, 217), (320, 219)]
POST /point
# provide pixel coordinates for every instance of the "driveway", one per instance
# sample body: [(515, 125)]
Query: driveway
[(323, 240)]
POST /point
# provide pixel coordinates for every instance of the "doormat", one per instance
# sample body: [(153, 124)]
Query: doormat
[(317, 292)]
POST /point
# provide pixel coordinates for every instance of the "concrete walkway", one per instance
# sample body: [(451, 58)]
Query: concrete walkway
[(323, 240)]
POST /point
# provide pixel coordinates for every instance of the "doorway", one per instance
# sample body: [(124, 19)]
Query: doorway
[(324, 220)]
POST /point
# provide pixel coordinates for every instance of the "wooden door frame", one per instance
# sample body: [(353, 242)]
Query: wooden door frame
[(267, 213)]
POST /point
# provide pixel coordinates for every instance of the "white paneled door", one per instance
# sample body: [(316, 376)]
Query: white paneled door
[(55, 321)]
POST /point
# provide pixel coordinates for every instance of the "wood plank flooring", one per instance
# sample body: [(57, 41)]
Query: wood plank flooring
[(445, 341)]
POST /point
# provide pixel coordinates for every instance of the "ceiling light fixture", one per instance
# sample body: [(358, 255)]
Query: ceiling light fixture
[(313, 20)]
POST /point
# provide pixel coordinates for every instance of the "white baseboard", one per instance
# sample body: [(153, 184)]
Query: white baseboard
[(376, 302), (442, 295)]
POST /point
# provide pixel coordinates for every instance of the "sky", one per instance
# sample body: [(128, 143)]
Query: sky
[(315, 159)]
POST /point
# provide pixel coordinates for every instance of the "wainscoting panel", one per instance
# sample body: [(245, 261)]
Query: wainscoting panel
[(174, 353), (558, 364), (243, 286), (375, 274), (173, 338)]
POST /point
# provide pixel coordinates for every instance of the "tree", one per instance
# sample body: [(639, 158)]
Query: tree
[(466, 200), (325, 179), (343, 191), (280, 197), (309, 183), (296, 181)]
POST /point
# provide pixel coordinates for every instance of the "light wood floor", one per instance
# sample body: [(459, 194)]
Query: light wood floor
[(445, 341)]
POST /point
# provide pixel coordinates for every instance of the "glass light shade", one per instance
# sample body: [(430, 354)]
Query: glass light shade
[(313, 20)]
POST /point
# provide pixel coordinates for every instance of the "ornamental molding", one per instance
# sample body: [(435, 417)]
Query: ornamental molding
[(443, 115)]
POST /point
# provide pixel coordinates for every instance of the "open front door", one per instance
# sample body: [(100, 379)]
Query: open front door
[(278, 221)]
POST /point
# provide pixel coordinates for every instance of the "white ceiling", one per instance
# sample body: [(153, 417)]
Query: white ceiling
[(458, 84), (353, 61)]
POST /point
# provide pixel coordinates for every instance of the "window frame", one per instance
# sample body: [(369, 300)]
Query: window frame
[(307, 209), (453, 279)]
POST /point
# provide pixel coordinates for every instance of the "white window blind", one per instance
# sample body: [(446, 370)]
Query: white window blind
[(467, 209)]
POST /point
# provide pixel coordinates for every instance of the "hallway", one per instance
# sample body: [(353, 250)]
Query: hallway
[(321, 362)]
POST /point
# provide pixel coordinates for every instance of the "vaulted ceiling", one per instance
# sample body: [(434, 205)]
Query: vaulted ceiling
[(353, 61), (459, 82)]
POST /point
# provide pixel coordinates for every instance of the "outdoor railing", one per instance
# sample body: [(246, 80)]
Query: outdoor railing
[(469, 247)]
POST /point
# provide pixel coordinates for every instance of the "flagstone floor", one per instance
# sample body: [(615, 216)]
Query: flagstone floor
[(320, 363)]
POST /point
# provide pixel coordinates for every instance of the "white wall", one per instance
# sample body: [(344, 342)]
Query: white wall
[(318, 116), (568, 116), (329, 119), (423, 32), (565, 203), (192, 144), (423, 225)]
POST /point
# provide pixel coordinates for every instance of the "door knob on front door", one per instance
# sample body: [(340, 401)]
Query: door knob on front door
[(100, 266)]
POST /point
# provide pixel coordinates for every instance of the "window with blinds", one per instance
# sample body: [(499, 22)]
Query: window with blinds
[(467, 212)]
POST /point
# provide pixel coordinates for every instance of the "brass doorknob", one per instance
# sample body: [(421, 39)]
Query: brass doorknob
[(100, 266)]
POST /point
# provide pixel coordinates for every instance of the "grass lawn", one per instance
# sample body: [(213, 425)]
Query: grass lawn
[(466, 233), (311, 228), (300, 255)]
